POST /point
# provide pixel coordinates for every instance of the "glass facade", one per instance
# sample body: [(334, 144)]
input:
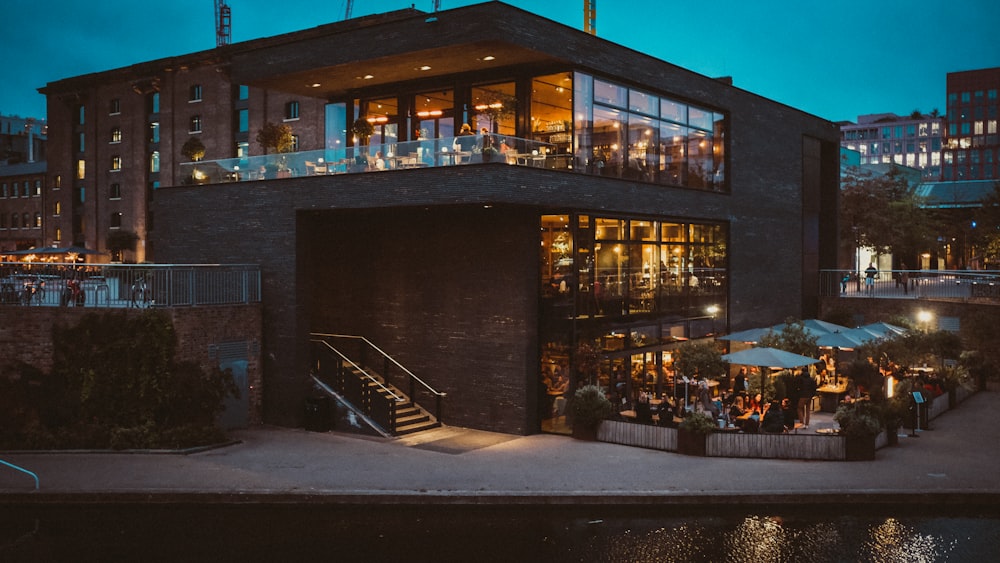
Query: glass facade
[(584, 124), (617, 295)]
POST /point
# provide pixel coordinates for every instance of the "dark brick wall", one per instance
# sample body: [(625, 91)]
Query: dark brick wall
[(450, 292)]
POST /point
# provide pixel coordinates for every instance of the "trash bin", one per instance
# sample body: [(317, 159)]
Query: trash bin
[(317, 416)]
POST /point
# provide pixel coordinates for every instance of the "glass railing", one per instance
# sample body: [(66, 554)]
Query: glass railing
[(948, 285), (424, 153)]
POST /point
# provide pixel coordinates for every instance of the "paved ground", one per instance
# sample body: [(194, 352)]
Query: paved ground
[(954, 462)]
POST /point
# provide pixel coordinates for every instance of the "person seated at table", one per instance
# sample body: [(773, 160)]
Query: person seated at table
[(643, 412), (755, 403), (379, 161), (737, 412), (788, 413), (773, 419)]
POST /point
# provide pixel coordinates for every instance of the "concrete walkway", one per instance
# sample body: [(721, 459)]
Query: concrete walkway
[(954, 462)]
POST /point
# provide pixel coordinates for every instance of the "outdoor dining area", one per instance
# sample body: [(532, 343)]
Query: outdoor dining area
[(780, 404)]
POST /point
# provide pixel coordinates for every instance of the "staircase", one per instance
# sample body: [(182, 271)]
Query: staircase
[(410, 418), (347, 365)]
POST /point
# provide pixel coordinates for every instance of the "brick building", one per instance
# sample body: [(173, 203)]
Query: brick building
[(630, 204), (972, 142)]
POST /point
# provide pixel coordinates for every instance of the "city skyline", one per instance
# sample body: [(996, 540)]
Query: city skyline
[(807, 57)]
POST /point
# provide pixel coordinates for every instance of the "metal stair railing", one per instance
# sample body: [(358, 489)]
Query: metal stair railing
[(362, 388), (392, 371)]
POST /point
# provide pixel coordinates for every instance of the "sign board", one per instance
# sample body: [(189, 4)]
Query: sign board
[(918, 397)]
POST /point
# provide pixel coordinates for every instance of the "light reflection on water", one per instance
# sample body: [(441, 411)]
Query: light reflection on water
[(552, 534), (766, 539)]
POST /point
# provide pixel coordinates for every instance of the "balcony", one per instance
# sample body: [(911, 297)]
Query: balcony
[(127, 285), (408, 155)]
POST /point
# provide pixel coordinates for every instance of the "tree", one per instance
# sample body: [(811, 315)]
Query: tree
[(883, 213), (193, 149), (276, 136), (119, 241), (985, 236), (792, 338), (699, 358)]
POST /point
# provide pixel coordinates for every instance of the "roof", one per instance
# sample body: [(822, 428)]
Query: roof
[(956, 195)]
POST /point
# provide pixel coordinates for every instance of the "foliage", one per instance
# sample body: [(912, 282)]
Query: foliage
[(883, 213), (792, 338), (589, 406), (115, 383), (698, 423), (193, 149), (362, 129), (700, 358), (767, 392), (859, 419), (981, 332), (865, 374), (954, 377), (276, 136)]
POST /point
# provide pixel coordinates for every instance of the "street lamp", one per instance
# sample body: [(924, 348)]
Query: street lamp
[(924, 318), (713, 310)]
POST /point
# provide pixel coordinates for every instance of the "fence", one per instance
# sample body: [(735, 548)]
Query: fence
[(951, 285), (128, 285)]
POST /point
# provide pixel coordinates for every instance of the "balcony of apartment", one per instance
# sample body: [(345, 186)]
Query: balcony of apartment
[(407, 155)]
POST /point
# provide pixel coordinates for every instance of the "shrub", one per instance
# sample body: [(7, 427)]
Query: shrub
[(698, 423), (589, 406), (860, 419)]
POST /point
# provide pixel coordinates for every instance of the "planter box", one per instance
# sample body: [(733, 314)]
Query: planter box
[(691, 443), (859, 449)]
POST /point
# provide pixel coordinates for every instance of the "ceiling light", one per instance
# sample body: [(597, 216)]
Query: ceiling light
[(425, 67), (488, 58), (369, 76)]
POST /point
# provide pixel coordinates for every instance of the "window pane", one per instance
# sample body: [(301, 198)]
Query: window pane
[(674, 111), (610, 94), (608, 138), (643, 103), (495, 108)]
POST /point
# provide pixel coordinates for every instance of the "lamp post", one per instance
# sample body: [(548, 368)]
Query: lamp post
[(924, 319)]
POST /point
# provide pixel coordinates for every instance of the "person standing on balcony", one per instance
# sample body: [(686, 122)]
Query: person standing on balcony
[(871, 272)]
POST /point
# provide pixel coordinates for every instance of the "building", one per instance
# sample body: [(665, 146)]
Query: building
[(21, 189), (607, 212), (971, 143), (886, 138), (22, 139)]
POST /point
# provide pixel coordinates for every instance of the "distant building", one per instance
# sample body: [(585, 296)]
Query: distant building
[(21, 194), (22, 139), (971, 143), (885, 138)]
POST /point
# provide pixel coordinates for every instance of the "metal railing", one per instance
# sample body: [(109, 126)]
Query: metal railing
[(362, 354), (128, 285), (406, 155), (944, 285)]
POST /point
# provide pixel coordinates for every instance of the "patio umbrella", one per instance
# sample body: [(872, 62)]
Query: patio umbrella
[(764, 357), (749, 335), (839, 340), (885, 330)]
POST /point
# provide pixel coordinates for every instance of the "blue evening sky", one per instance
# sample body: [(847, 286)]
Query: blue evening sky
[(836, 60)]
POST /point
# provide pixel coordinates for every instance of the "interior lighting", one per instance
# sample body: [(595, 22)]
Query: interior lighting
[(369, 76)]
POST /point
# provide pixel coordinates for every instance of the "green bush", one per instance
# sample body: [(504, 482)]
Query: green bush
[(699, 423), (859, 419), (589, 406), (114, 383)]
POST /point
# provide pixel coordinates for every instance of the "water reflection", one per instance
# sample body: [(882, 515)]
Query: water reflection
[(554, 534)]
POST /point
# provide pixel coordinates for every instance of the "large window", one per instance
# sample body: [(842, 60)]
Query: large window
[(623, 292), (639, 135)]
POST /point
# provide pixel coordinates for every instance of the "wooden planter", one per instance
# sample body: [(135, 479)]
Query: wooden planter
[(585, 432), (859, 448), (691, 443)]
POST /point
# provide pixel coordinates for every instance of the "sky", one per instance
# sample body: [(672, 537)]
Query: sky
[(836, 60)]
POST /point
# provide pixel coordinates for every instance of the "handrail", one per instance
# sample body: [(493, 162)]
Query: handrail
[(384, 355), (361, 369), (11, 465), (944, 285)]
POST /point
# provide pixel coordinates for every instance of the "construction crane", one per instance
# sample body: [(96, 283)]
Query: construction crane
[(590, 16), (223, 23)]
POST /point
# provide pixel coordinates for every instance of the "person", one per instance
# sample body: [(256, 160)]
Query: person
[(736, 411), (465, 141), (807, 386), (788, 414), (871, 272), (485, 139), (740, 383), (904, 278), (379, 161), (773, 422), (843, 282)]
